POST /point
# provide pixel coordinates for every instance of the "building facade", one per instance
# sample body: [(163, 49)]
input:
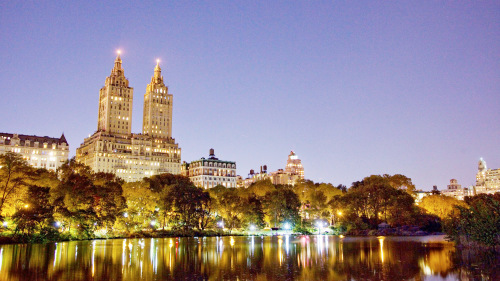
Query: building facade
[(294, 166), (114, 149), (487, 180), (293, 172), (455, 190), (210, 172), (40, 152)]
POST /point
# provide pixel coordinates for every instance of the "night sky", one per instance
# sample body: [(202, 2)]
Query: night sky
[(353, 88)]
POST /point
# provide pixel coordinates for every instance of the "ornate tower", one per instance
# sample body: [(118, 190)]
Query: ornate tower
[(294, 165), (157, 119), (115, 102)]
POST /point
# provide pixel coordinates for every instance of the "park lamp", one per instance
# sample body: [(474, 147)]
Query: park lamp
[(5, 224), (252, 227), (320, 224), (221, 224), (287, 226), (125, 215), (153, 222), (58, 223)]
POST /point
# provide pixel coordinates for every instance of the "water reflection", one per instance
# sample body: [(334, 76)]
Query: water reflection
[(247, 258)]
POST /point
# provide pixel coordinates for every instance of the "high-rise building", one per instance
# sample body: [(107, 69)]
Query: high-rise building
[(114, 149), (455, 190), (157, 120), (210, 172), (293, 172), (294, 165), (487, 180), (115, 103), (40, 152)]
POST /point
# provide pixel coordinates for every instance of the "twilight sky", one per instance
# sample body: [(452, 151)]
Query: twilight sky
[(353, 88)]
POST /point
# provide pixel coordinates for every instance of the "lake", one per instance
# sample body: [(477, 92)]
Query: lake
[(287, 257)]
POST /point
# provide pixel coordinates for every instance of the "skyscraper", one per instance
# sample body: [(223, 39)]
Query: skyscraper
[(157, 107), (114, 149), (115, 102)]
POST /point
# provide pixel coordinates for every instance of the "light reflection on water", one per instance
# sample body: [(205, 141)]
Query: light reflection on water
[(286, 257)]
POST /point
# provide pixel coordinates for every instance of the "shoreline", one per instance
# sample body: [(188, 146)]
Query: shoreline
[(6, 240)]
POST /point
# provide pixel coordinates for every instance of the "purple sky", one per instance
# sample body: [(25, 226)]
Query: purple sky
[(354, 89)]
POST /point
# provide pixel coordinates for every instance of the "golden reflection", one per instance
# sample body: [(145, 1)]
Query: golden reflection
[(381, 241), (300, 258)]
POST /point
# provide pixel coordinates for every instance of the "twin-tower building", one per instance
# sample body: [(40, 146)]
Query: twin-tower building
[(113, 148)]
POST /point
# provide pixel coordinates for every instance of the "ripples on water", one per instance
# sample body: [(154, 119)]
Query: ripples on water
[(248, 258)]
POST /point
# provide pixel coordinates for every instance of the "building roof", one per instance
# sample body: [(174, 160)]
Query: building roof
[(32, 139)]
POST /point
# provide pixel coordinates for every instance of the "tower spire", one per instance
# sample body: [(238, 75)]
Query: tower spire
[(157, 78), (118, 61)]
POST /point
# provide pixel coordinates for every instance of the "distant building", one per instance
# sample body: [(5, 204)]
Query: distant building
[(208, 173), (294, 166), (455, 190), (293, 172), (114, 149), (487, 180), (419, 195), (40, 152)]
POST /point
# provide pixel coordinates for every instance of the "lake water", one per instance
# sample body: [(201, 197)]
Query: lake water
[(247, 258)]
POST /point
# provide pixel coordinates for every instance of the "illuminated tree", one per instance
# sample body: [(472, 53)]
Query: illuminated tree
[(441, 205), (14, 174), (37, 212)]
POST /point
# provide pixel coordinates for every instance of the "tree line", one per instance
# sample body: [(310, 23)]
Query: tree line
[(77, 203)]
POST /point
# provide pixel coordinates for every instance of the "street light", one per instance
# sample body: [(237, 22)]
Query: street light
[(58, 223), (287, 226), (221, 224), (319, 224), (252, 227)]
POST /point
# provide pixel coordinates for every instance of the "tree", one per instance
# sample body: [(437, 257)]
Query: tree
[(373, 198), (109, 202), (261, 187), (188, 202), (441, 205), (141, 203), (401, 182), (253, 212), (14, 173), (228, 205), (478, 221), (37, 213), (282, 205), (86, 200)]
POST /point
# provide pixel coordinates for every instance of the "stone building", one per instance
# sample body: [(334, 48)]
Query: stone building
[(114, 149), (40, 152), (293, 172), (210, 172), (455, 190), (487, 180)]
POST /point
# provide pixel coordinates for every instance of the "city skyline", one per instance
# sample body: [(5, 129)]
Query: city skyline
[(353, 90)]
